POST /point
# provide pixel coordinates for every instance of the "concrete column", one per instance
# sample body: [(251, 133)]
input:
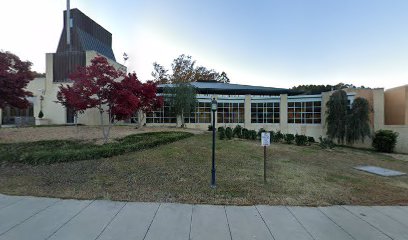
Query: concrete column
[(247, 107), (284, 113), (378, 108)]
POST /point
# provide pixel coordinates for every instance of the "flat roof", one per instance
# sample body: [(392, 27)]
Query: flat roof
[(233, 89)]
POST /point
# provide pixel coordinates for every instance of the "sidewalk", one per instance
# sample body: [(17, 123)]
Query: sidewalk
[(48, 218)]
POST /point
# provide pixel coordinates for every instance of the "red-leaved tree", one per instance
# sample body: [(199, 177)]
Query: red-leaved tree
[(113, 93), (14, 77)]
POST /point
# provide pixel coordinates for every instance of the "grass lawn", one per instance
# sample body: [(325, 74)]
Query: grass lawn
[(181, 171)]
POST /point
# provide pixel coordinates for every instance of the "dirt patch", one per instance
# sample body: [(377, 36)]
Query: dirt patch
[(86, 133)]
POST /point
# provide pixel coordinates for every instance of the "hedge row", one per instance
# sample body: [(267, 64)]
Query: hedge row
[(47, 152)]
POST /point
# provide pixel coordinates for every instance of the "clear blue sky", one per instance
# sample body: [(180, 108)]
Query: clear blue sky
[(269, 43)]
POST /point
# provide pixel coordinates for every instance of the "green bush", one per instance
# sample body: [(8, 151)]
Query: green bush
[(210, 127), (385, 140), (278, 136), (252, 134), (228, 133), (260, 131), (326, 143), (237, 132), (245, 133), (40, 114), (289, 138), (311, 139), (221, 133), (52, 151), (300, 140), (272, 135)]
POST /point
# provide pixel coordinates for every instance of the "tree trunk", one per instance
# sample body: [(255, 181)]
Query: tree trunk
[(105, 137), (76, 122), (140, 119), (182, 119)]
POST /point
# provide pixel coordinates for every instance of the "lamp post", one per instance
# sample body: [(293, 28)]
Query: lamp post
[(213, 109)]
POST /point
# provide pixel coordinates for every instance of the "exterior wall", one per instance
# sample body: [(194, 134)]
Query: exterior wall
[(283, 113), (55, 112), (396, 106), (402, 140)]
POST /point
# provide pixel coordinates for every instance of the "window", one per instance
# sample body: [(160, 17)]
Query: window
[(163, 115), (202, 113), (230, 112), (266, 112), (304, 112)]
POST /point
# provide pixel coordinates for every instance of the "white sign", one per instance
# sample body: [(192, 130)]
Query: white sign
[(266, 139)]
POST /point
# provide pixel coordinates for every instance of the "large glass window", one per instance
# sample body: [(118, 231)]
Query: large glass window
[(230, 112), (202, 114), (267, 112), (305, 112), (162, 115)]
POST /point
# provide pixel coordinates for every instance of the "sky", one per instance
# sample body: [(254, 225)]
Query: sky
[(267, 43)]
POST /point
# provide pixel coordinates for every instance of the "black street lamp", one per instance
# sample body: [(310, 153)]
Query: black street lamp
[(213, 109)]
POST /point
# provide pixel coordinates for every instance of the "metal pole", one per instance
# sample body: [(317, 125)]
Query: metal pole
[(68, 24), (264, 163), (213, 155)]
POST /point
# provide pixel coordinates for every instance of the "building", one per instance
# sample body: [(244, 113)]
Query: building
[(252, 107), (255, 107), (396, 106), (87, 40)]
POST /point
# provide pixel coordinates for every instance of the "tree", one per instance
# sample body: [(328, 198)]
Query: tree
[(317, 89), (184, 71), (160, 74), (337, 116), (202, 74), (347, 124), (113, 93), (73, 98), (223, 78), (358, 126), (182, 99), (14, 78)]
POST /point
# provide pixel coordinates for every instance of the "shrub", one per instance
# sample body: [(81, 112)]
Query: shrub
[(245, 133), (52, 151), (301, 140), (228, 133), (221, 133), (40, 114), (252, 134), (311, 139), (326, 143), (237, 132), (289, 138), (261, 130), (278, 136), (385, 140), (272, 135), (210, 127)]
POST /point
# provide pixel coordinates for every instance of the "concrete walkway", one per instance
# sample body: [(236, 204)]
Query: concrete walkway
[(48, 218)]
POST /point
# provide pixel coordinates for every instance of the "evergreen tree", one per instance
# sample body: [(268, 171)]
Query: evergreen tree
[(358, 126), (337, 116), (182, 99)]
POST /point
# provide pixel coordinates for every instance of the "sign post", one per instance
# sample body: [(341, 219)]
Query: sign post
[(265, 141)]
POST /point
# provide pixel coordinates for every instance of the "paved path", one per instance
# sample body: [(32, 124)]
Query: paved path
[(48, 218)]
